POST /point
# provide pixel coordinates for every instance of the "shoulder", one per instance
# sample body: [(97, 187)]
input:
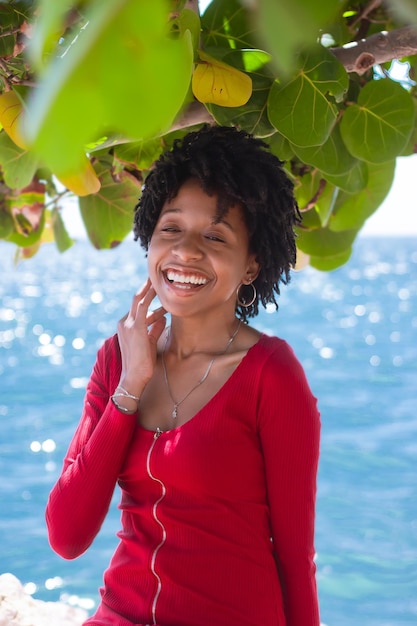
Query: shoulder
[(278, 366), (274, 352), (109, 350), (283, 388)]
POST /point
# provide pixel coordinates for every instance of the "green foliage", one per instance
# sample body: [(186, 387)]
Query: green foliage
[(378, 126), (105, 80), (113, 79), (108, 214)]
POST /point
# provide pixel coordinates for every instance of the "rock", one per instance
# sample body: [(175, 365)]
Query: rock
[(17, 608)]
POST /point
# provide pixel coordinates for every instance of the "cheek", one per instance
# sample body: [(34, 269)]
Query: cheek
[(151, 259)]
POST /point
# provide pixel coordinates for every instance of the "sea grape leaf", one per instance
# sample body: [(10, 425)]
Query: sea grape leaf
[(377, 127), (62, 238), (280, 146), (300, 108), (140, 154), (12, 15), (315, 192), (331, 158), (410, 147), (18, 166), (330, 263), (405, 10), (226, 24), (352, 210), (298, 23), (253, 116), (69, 109), (352, 181), (324, 242), (45, 37), (108, 214), (216, 82), (28, 208), (189, 20)]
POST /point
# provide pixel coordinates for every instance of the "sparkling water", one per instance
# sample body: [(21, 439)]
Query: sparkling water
[(353, 329)]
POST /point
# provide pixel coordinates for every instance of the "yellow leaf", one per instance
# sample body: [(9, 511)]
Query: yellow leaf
[(218, 83), (83, 182), (11, 108)]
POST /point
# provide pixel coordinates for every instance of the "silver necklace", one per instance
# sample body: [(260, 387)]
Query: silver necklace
[(174, 413)]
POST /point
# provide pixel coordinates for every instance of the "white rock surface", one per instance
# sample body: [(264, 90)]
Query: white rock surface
[(17, 608)]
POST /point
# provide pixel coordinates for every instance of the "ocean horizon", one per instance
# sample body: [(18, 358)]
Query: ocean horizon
[(353, 329)]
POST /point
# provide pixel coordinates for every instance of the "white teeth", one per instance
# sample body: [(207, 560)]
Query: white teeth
[(185, 279)]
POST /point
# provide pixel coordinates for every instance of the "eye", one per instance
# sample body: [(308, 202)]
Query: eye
[(215, 237), (170, 229)]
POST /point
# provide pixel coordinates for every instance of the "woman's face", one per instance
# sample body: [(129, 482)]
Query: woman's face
[(196, 263)]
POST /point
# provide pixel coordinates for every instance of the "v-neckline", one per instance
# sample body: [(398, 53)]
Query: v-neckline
[(213, 399)]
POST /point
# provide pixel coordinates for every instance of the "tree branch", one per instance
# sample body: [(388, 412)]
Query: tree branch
[(195, 113), (360, 56)]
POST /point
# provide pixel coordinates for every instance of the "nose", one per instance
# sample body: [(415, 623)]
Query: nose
[(188, 247)]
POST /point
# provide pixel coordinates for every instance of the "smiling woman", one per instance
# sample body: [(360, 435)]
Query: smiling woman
[(197, 252), (208, 426)]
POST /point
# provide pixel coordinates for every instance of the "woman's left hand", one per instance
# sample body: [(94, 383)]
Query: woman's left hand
[(138, 333)]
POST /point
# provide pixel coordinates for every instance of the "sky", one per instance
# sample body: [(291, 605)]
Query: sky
[(397, 215)]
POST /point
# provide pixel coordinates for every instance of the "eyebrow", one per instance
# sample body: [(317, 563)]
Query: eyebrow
[(217, 220)]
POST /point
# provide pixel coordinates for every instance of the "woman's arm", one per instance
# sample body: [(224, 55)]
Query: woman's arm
[(289, 427), (80, 499)]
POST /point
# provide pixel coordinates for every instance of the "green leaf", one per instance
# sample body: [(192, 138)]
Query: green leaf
[(141, 154), (352, 211), (49, 28), (331, 158), (62, 239), (410, 147), (189, 20), (330, 263), (287, 25), (378, 127), (92, 91), (108, 214), (315, 192), (324, 242), (300, 108), (352, 181), (24, 241), (253, 116), (405, 10), (18, 166), (280, 146), (226, 24)]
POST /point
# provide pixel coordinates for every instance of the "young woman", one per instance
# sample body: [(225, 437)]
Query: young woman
[(208, 426)]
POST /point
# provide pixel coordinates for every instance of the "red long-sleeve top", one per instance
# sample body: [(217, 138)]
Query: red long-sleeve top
[(217, 523)]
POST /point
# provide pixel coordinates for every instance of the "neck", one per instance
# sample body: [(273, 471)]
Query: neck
[(210, 336)]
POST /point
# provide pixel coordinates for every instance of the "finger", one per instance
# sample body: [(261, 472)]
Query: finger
[(153, 316), (156, 330), (144, 288), (139, 297)]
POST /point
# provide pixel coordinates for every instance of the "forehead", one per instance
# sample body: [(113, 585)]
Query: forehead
[(192, 197)]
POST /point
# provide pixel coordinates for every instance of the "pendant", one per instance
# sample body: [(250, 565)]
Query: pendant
[(174, 412)]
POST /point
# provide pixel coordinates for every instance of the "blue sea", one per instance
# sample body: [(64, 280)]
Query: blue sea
[(354, 330)]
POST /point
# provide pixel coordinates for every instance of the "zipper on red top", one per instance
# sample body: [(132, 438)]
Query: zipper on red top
[(157, 434)]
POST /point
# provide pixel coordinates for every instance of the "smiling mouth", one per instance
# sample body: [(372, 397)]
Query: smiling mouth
[(189, 280)]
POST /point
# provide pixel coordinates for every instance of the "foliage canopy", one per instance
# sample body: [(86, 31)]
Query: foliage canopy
[(92, 92)]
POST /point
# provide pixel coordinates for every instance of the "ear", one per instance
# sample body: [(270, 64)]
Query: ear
[(252, 270)]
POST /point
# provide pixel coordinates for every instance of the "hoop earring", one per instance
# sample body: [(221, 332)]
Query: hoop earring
[(246, 303)]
